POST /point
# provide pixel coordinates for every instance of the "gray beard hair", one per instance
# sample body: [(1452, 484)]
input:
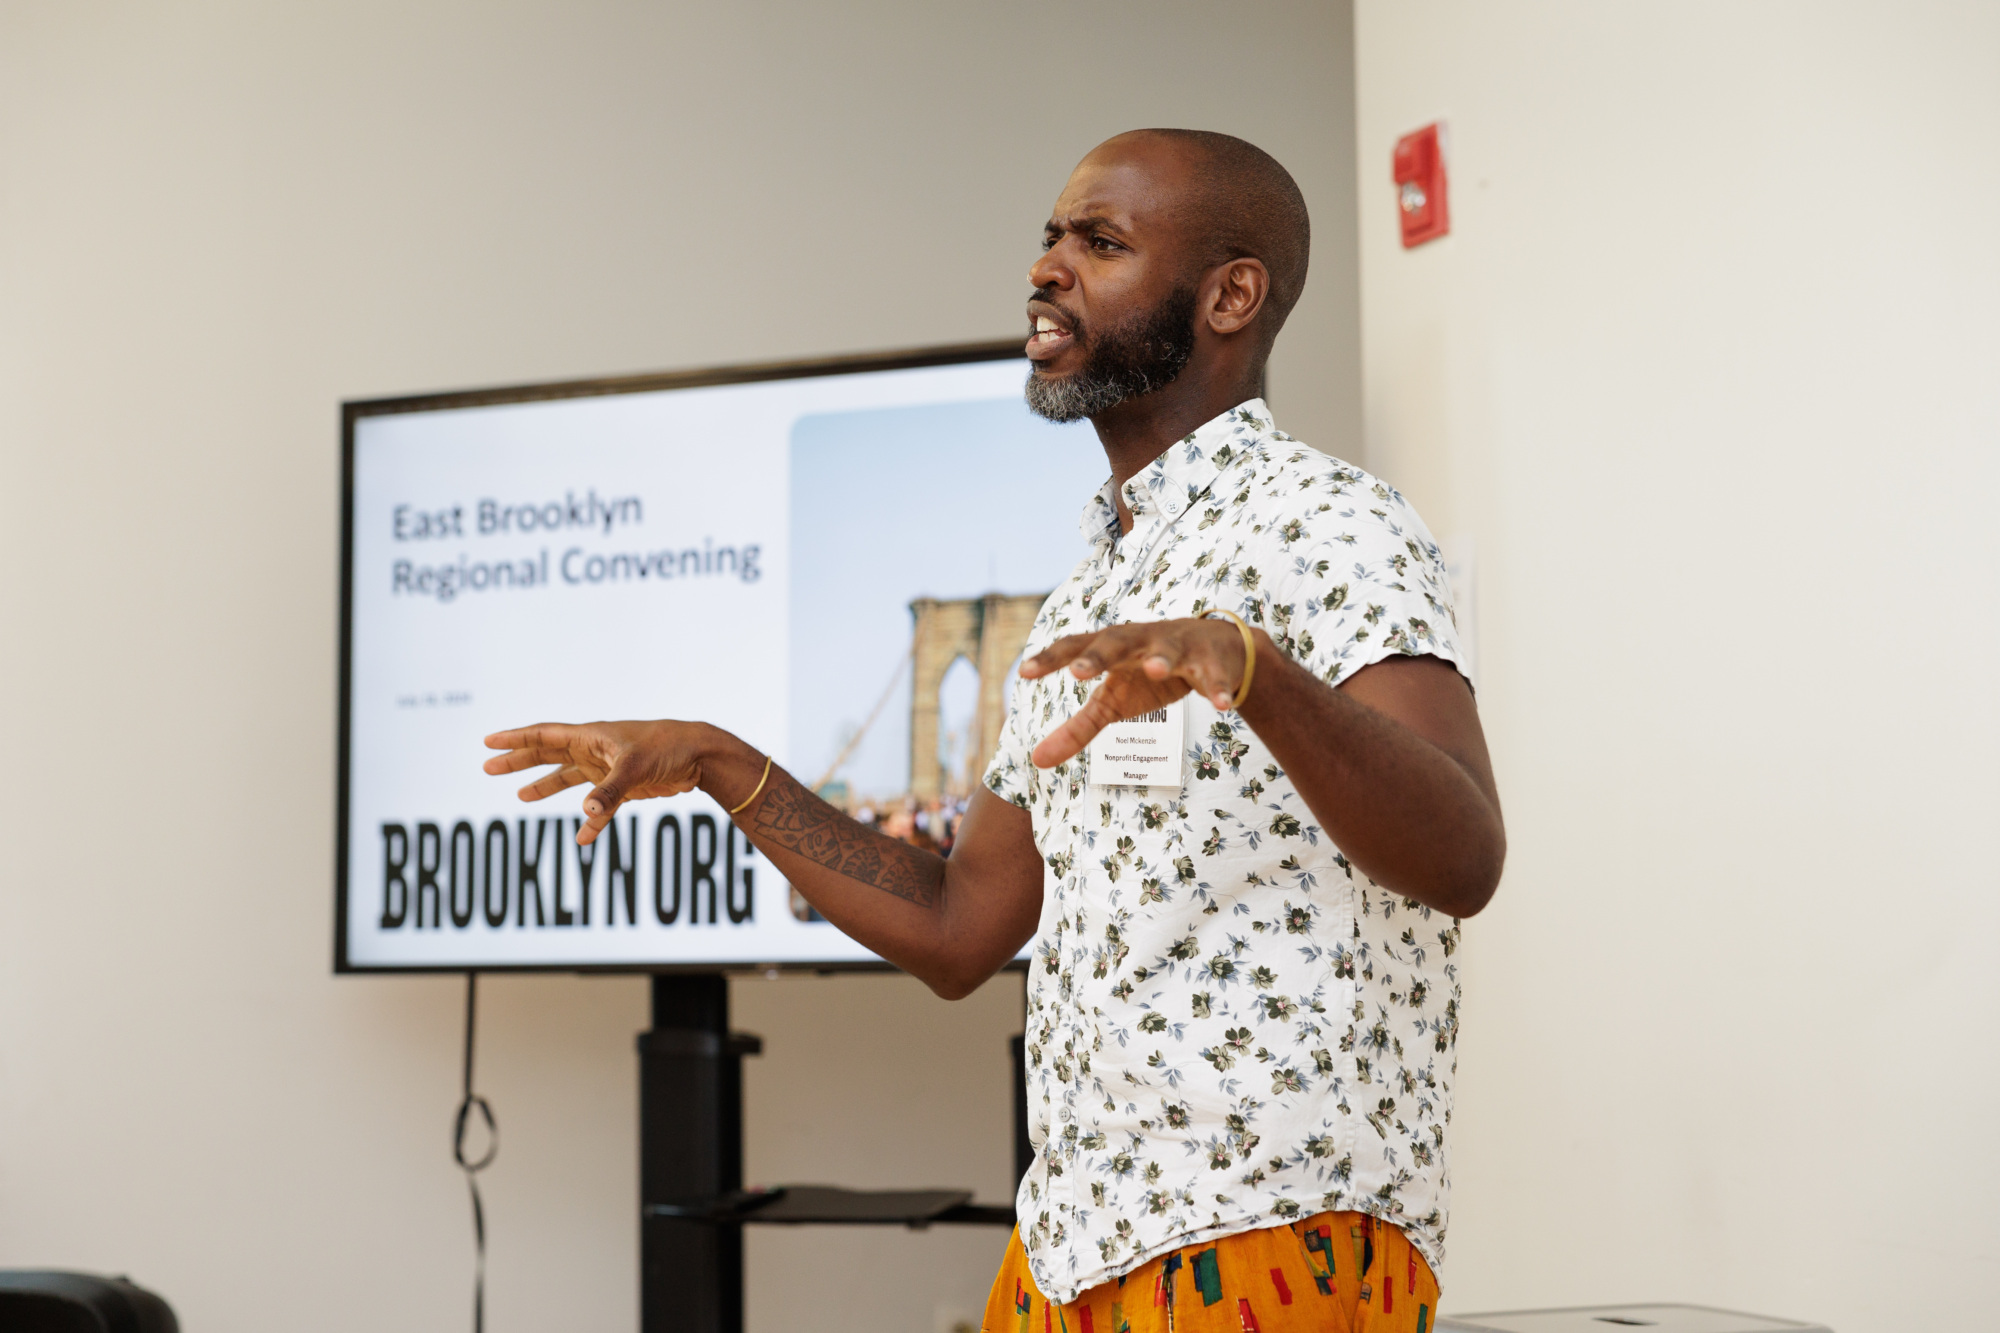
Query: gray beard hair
[(1132, 360), (1076, 396)]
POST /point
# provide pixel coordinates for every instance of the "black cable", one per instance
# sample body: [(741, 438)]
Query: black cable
[(472, 1169)]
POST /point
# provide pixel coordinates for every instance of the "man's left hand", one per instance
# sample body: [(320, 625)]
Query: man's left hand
[(1144, 667)]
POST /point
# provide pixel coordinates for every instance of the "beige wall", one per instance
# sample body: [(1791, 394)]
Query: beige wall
[(1708, 370), (216, 222)]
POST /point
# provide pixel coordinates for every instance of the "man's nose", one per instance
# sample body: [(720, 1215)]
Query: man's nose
[(1051, 271)]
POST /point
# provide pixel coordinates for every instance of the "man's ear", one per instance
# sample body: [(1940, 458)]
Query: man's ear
[(1235, 292)]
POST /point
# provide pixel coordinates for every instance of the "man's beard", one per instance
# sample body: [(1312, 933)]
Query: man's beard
[(1143, 354)]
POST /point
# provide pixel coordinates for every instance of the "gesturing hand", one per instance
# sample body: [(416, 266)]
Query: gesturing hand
[(629, 761), (1144, 667)]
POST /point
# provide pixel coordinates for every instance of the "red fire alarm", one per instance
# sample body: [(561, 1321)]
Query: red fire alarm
[(1420, 186)]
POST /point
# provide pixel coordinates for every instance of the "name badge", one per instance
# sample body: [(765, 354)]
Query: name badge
[(1142, 751)]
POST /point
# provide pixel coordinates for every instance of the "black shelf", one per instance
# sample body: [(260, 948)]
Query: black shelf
[(830, 1205)]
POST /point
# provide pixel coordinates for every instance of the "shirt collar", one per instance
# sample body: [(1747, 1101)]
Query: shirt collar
[(1171, 484)]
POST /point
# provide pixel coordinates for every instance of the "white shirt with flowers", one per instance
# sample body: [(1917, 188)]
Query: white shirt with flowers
[(1228, 1025)]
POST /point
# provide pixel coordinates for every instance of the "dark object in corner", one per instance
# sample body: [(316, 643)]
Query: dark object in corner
[(45, 1301)]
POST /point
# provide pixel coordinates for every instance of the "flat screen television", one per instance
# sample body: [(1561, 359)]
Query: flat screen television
[(836, 560)]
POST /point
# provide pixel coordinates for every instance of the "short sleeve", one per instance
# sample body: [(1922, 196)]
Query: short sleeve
[(1362, 581), (1012, 775)]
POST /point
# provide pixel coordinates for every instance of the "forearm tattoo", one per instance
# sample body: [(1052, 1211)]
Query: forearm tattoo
[(795, 819)]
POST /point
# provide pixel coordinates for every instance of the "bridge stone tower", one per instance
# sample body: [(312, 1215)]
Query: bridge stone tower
[(987, 631)]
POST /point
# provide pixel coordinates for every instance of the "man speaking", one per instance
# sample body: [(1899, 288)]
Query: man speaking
[(1240, 802)]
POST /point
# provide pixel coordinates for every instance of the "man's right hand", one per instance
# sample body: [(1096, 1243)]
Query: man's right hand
[(949, 923), (628, 761)]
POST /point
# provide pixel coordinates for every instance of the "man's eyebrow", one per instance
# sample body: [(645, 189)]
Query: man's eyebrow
[(1085, 222)]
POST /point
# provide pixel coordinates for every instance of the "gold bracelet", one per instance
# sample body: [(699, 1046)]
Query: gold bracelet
[(760, 785), (1249, 654)]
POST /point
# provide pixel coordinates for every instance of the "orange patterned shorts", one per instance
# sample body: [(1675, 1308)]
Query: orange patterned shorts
[(1334, 1273)]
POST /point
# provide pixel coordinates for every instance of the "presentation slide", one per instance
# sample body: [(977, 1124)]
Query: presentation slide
[(840, 568)]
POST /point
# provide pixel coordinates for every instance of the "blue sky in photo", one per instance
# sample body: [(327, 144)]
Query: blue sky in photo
[(890, 504)]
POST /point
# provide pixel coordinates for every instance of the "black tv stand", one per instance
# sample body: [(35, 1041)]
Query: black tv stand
[(693, 1206)]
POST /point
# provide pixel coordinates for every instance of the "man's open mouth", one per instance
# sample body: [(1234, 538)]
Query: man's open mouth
[(1050, 335)]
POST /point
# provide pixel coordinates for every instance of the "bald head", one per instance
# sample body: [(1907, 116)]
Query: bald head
[(1168, 265), (1236, 202)]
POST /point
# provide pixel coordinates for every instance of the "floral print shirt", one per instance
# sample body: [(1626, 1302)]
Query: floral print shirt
[(1228, 1025)]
